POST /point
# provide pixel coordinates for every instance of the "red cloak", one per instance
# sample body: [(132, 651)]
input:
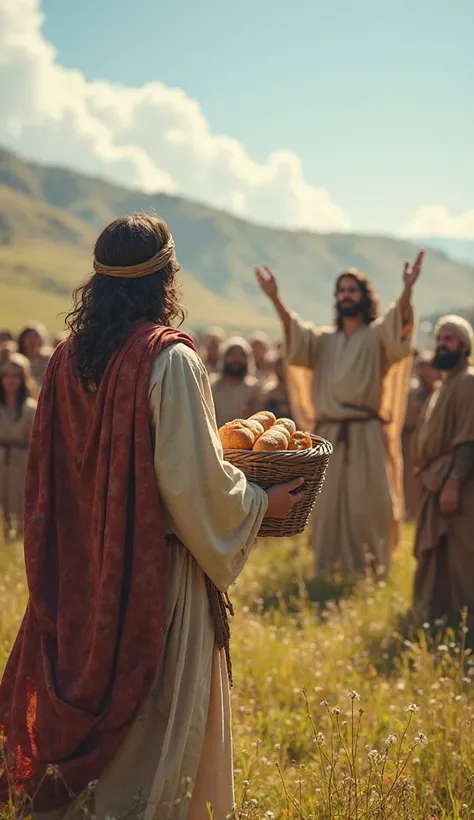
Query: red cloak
[(97, 568)]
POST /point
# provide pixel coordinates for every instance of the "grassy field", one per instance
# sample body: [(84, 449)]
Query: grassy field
[(342, 709)]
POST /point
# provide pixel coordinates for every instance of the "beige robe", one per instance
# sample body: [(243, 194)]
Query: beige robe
[(444, 544), (417, 396), (181, 741), (14, 440), (234, 400), (361, 503)]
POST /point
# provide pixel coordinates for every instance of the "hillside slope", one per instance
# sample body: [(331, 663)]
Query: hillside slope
[(219, 251)]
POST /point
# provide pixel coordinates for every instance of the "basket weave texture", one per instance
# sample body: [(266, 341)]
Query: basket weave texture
[(276, 467)]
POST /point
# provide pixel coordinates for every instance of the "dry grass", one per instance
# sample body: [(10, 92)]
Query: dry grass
[(346, 711)]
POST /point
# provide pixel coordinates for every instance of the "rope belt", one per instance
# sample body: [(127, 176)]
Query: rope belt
[(343, 434)]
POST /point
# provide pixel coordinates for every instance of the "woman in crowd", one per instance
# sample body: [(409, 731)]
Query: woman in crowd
[(33, 343), (17, 410)]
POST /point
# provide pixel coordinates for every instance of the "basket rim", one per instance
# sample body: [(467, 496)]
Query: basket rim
[(324, 444)]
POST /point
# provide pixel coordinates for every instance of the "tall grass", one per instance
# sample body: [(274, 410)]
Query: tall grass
[(344, 707)]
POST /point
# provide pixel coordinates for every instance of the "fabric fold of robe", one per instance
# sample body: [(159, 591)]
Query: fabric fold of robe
[(444, 544), (97, 567)]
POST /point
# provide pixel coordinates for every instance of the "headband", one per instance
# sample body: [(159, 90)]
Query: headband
[(156, 263)]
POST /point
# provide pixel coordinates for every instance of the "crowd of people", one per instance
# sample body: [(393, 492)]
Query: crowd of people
[(136, 525)]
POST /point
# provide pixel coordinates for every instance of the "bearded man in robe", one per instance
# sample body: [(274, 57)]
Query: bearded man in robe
[(213, 340), (236, 391), (444, 542), (115, 698), (425, 379), (358, 399)]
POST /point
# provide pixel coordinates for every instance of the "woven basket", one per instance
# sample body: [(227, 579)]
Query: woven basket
[(276, 467)]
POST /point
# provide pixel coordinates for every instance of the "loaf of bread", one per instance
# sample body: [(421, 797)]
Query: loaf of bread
[(235, 437), (281, 429), (300, 441), (289, 424), (271, 440), (265, 418)]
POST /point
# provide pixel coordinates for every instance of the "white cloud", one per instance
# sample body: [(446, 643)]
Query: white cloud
[(435, 220), (153, 137)]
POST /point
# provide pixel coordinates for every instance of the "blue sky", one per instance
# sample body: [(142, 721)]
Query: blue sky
[(374, 97)]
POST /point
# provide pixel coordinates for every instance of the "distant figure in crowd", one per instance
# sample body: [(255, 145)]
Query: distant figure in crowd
[(135, 528), (425, 378), (212, 344), (444, 543), (7, 348), (17, 410), (357, 396), (275, 396), (261, 347), (236, 391), (33, 343)]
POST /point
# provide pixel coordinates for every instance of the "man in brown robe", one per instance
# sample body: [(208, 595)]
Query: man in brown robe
[(236, 392), (444, 542), (115, 699), (421, 389), (359, 373)]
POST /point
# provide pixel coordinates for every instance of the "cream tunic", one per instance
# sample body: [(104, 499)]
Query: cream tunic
[(183, 733), (361, 498)]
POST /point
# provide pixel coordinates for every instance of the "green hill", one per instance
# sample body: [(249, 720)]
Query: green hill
[(49, 218)]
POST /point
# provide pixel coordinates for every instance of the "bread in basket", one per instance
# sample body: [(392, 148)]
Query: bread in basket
[(272, 462)]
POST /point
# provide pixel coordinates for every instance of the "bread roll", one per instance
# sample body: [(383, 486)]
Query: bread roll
[(255, 426), (236, 438), (281, 429), (271, 440), (265, 418), (288, 423), (300, 441)]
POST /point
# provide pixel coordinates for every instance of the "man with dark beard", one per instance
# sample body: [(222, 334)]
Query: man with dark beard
[(444, 544), (236, 391), (360, 371)]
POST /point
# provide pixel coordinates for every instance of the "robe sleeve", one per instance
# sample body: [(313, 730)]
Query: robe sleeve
[(212, 508), (304, 344), (464, 412), (395, 335)]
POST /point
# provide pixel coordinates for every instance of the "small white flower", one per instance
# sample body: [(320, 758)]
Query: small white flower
[(324, 703), (412, 707), (421, 739), (354, 695), (336, 710), (391, 740), (269, 815)]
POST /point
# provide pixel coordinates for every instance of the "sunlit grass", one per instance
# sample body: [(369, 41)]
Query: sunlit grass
[(349, 710)]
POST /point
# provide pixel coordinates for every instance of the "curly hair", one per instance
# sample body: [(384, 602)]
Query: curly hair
[(106, 307), (26, 389), (369, 302)]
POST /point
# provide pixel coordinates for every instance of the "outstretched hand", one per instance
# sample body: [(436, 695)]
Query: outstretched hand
[(267, 281), (412, 272)]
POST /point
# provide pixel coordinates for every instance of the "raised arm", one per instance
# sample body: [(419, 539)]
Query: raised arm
[(410, 276), (302, 340)]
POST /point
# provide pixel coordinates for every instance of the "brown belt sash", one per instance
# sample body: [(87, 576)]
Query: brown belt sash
[(343, 435)]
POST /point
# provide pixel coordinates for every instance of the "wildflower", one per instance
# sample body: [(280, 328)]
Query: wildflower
[(373, 756), (421, 739), (320, 739), (336, 710), (246, 783), (442, 648), (354, 695), (277, 747), (390, 740), (253, 802), (412, 707), (324, 703), (269, 815)]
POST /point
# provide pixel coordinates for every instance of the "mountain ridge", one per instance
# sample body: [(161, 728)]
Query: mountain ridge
[(217, 250)]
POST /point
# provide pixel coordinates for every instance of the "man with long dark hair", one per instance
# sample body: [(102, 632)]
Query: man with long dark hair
[(115, 698), (358, 396)]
